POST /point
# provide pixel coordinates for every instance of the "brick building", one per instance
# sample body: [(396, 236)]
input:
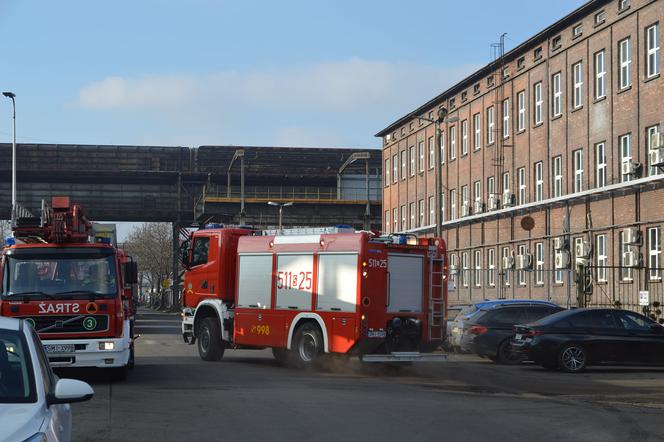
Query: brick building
[(557, 131)]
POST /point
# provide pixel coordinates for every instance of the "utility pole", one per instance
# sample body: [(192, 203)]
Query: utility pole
[(12, 96)]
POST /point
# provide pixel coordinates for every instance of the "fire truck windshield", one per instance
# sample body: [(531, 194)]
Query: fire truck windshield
[(59, 276)]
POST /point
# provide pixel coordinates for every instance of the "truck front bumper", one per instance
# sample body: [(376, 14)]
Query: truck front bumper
[(188, 326)]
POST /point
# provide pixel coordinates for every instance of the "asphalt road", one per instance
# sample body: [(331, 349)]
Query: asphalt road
[(172, 395)]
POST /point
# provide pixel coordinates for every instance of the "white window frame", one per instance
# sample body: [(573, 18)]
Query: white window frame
[(442, 208), (404, 164), (577, 159), (539, 181), (477, 123), (395, 218), (490, 126), (625, 272), (404, 218), (432, 153), (506, 118), (521, 103), (387, 171), (454, 262), (539, 263), (600, 74), (442, 147), (491, 265), (413, 215), (652, 51), (650, 131), (432, 210), (505, 252), (453, 153), (478, 268), (654, 254), (521, 177), (490, 186), (464, 137), (420, 146), (477, 190), (557, 108), (421, 207), (577, 69), (465, 269), (395, 168), (411, 156), (464, 195), (521, 274), (453, 204), (387, 221), (602, 259), (506, 181), (625, 145), (558, 176), (600, 164), (625, 60), (538, 100)]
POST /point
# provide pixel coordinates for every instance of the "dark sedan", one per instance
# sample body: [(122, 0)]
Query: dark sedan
[(571, 340)]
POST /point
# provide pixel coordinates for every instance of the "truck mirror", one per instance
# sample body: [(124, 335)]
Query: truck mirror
[(131, 273)]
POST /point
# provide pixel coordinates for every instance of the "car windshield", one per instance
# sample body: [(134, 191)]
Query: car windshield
[(16, 379), (61, 276)]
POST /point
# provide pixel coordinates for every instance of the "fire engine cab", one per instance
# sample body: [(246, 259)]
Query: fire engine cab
[(308, 292), (67, 284)]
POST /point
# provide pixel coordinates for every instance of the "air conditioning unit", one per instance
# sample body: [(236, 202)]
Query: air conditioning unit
[(631, 259), (582, 249), (492, 204), (465, 209), (630, 167), (657, 156), (632, 236), (562, 259), (508, 262), (559, 243), (524, 262), (479, 206), (508, 198)]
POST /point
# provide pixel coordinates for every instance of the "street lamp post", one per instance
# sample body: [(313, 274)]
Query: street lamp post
[(13, 98), (281, 208)]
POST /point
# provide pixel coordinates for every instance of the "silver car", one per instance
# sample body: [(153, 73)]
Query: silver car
[(34, 403)]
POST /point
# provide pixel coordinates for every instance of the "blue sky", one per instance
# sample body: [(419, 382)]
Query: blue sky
[(288, 72)]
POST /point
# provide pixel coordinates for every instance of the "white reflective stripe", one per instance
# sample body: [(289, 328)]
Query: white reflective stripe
[(297, 239)]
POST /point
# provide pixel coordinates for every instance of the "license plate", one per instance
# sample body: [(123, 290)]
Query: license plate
[(58, 348), (518, 336)]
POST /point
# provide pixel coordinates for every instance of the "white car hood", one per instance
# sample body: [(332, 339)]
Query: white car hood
[(20, 421)]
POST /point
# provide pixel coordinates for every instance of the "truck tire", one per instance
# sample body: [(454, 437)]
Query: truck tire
[(282, 355), (210, 346), (308, 345)]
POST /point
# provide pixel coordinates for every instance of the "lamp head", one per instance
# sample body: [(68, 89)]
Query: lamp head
[(9, 94), (442, 113)]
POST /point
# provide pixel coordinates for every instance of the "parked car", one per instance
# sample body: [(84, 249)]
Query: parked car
[(490, 331), (460, 339), (572, 340), (34, 403), (453, 311)]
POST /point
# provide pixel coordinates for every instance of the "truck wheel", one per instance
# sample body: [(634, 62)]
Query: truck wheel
[(132, 361), (210, 347), (308, 345), (281, 355)]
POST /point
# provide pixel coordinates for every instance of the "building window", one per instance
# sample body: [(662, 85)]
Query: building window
[(577, 30), (432, 211), (411, 152), (538, 103), (602, 258), (403, 164), (600, 75), (506, 273), (506, 118), (442, 148), (625, 59), (537, 53), (623, 4), (464, 137), (387, 221), (465, 267), (442, 208), (432, 153), (464, 96), (539, 263), (625, 158), (413, 216), (453, 143), (387, 172), (478, 268), (521, 63), (411, 126), (464, 201), (558, 176), (600, 161), (490, 186), (600, 17), (490, 81), (421, 220), (477, 138), (404, 218), (557, 101), (491, 265), (506, 182), (403, 131), (490, 134), (477, 191), (578, 170), (652, 46), (625, 272), (539, 181), (578, 85), (454, 264), (521, 175), (506, 72), (453, 204), (556, 42), (521, 103), (654, 254), (476, 89), (420, 146), (650, 133), (395, 168), (452, 103), (395, 218)]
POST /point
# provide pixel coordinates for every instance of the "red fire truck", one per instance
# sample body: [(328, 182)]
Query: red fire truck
[(308, 292), (65, 282)]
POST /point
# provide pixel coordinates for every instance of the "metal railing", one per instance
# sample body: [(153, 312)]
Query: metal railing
[(296, 193)]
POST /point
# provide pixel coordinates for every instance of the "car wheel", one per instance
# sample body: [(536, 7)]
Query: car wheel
[(308, 345), (572, 358), (506, 355), (210, 347)]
